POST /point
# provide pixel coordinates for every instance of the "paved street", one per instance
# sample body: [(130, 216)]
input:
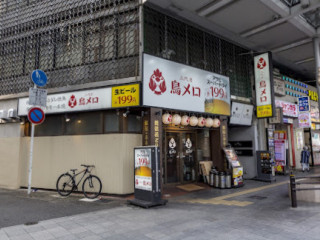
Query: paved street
[(259, 210)]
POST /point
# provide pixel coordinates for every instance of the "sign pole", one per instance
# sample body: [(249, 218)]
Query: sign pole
[(30, 159)]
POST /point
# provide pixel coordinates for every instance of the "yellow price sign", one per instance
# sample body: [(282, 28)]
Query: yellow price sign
[(126, 95), (264, 111)]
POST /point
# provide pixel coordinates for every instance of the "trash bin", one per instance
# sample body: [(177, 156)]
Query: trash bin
[(211, 178), (222, 177), (216, 179), (228, 180)]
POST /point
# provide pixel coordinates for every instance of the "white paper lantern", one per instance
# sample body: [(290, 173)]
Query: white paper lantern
[(201, 121), (193, 121), (176, 119), (166, 118), (185, 120), (209, 122), (216, 123)]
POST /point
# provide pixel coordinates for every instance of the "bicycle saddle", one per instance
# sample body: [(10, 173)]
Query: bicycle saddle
[(73, 170)]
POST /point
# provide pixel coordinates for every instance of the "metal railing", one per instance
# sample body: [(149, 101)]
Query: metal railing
[(294, 189)]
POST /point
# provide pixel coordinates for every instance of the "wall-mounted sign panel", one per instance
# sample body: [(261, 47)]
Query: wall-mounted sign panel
[(304, 120), (72, 101), (241, 114), (288, 109), (304, 104), (279, 87), (126, 95), (168, 84), (264, 87)]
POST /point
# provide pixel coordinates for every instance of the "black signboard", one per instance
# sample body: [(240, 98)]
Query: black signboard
[(241, 144), (147, 177), (244, 152)]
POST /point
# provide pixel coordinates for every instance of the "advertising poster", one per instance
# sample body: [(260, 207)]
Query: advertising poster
[(172, 85), (237, 175), (304, 104), (142, 169), (288, 109), (304, 120)]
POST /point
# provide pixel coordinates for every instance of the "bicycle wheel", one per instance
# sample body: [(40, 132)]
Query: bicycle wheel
[(91, 187), (65, 184)]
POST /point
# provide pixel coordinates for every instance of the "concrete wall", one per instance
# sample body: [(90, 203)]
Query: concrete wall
[(112, 154), (9, 155), (249, 163)]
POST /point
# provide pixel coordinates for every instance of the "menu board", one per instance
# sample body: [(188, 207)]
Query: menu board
[(232, 157)]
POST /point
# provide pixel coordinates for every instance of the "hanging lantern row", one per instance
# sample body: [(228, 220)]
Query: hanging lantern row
[(193, 121)]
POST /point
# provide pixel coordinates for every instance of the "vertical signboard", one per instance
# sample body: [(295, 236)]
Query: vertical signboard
[(264, 85), (147, 177)]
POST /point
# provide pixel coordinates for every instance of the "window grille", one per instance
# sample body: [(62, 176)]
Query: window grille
[(175, 40), (74, 41)]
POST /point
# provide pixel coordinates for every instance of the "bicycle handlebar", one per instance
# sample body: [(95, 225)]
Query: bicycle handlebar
[(87, 166)]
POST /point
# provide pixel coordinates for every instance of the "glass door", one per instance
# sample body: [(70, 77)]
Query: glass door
[(188, 159), (180, 160), (172, 163)]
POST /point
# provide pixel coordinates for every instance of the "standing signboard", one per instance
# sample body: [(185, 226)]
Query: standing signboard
[(264, 86), (147, 177), (235, 165)]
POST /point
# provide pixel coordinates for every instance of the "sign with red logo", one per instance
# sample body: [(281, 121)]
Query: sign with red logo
[(72, 101), (288, 109), (172, 85), (264, 87)]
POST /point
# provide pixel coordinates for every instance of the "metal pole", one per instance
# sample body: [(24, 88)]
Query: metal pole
[(317, 61), (293, 191), (30, 159)]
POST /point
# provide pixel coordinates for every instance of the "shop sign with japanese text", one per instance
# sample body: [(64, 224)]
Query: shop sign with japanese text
[(304, 120), (172, 85), (288, 109), (126, 95), (264, 87), (304, 104), (279, 87), (142, 169), (72, 101), (314, 112)]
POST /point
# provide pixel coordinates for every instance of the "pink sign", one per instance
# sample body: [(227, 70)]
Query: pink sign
[(289, 109), (304, 120)]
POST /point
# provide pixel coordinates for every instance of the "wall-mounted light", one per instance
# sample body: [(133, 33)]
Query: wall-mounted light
[(126, 113)]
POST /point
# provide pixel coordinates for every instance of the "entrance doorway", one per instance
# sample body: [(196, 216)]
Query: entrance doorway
[(180, 163)]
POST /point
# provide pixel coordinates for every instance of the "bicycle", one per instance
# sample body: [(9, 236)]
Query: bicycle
[(91, 186)]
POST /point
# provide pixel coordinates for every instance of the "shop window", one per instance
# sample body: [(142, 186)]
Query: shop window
[(111, 122), (53, 125), (83, 123), (134, 123)]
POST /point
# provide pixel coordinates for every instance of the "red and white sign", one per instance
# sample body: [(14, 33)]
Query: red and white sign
[(172, 85), (72, 101), (264, 95), (289, 109)]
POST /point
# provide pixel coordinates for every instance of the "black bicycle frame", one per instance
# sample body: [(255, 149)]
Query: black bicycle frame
[(75, 175)]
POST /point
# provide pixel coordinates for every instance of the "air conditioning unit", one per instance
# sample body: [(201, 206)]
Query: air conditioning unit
[(3, 114), (12, 114)]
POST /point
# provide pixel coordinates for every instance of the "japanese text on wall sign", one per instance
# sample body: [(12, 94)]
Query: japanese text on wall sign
[(146, 132), (156, 133), (127, 95), (289, 109)]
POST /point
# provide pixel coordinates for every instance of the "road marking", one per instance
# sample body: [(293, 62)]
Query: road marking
[(222, 199)]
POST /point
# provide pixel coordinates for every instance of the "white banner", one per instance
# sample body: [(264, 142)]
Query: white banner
[(172, 85), (263, 85), (72, 101)]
